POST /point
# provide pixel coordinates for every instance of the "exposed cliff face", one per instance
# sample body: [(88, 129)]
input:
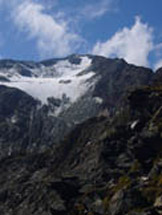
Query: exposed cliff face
[(25, 126), (15, 119)]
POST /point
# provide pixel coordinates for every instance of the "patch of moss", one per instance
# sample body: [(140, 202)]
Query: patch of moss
[(111, 132), (153, 189), (123, 182), (90, 213), (156, 180), (150, 193), (137, 210), (106, 202), (155, 124), (79, 209), (135, 167), (122, 117), (156, 88), (160, 181)]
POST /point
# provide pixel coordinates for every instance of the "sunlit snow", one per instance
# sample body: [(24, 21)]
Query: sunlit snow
[(65, 80)]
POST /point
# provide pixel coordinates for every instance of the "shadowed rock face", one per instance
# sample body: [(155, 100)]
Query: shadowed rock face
[(100, 156), (15, 110), (24, 126)]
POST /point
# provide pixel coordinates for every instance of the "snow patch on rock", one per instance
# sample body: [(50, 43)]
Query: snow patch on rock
[(47, 81)]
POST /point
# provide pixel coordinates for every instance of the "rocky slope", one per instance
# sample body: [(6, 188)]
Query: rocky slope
[(108, 156), (103, 167)]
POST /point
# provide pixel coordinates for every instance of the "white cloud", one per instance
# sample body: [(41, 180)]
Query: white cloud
[(158, 64), (158, 56), (133, 44), (53, 36), (96, 9)]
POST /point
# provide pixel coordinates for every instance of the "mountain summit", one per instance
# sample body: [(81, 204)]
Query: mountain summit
[(61, 93), (80, 135)]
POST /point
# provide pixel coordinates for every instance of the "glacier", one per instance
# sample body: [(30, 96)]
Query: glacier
[(57, 80)]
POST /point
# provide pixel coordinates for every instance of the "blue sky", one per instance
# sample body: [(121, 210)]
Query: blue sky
[(40, 29)]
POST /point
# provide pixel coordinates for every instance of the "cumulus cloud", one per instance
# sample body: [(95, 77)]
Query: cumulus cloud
[(53, 36), (158, 56), (133, 44), (158, 64), (54, 33), (98, 8)]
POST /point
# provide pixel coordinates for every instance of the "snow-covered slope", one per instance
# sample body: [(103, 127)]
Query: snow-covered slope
[(62, 79)]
